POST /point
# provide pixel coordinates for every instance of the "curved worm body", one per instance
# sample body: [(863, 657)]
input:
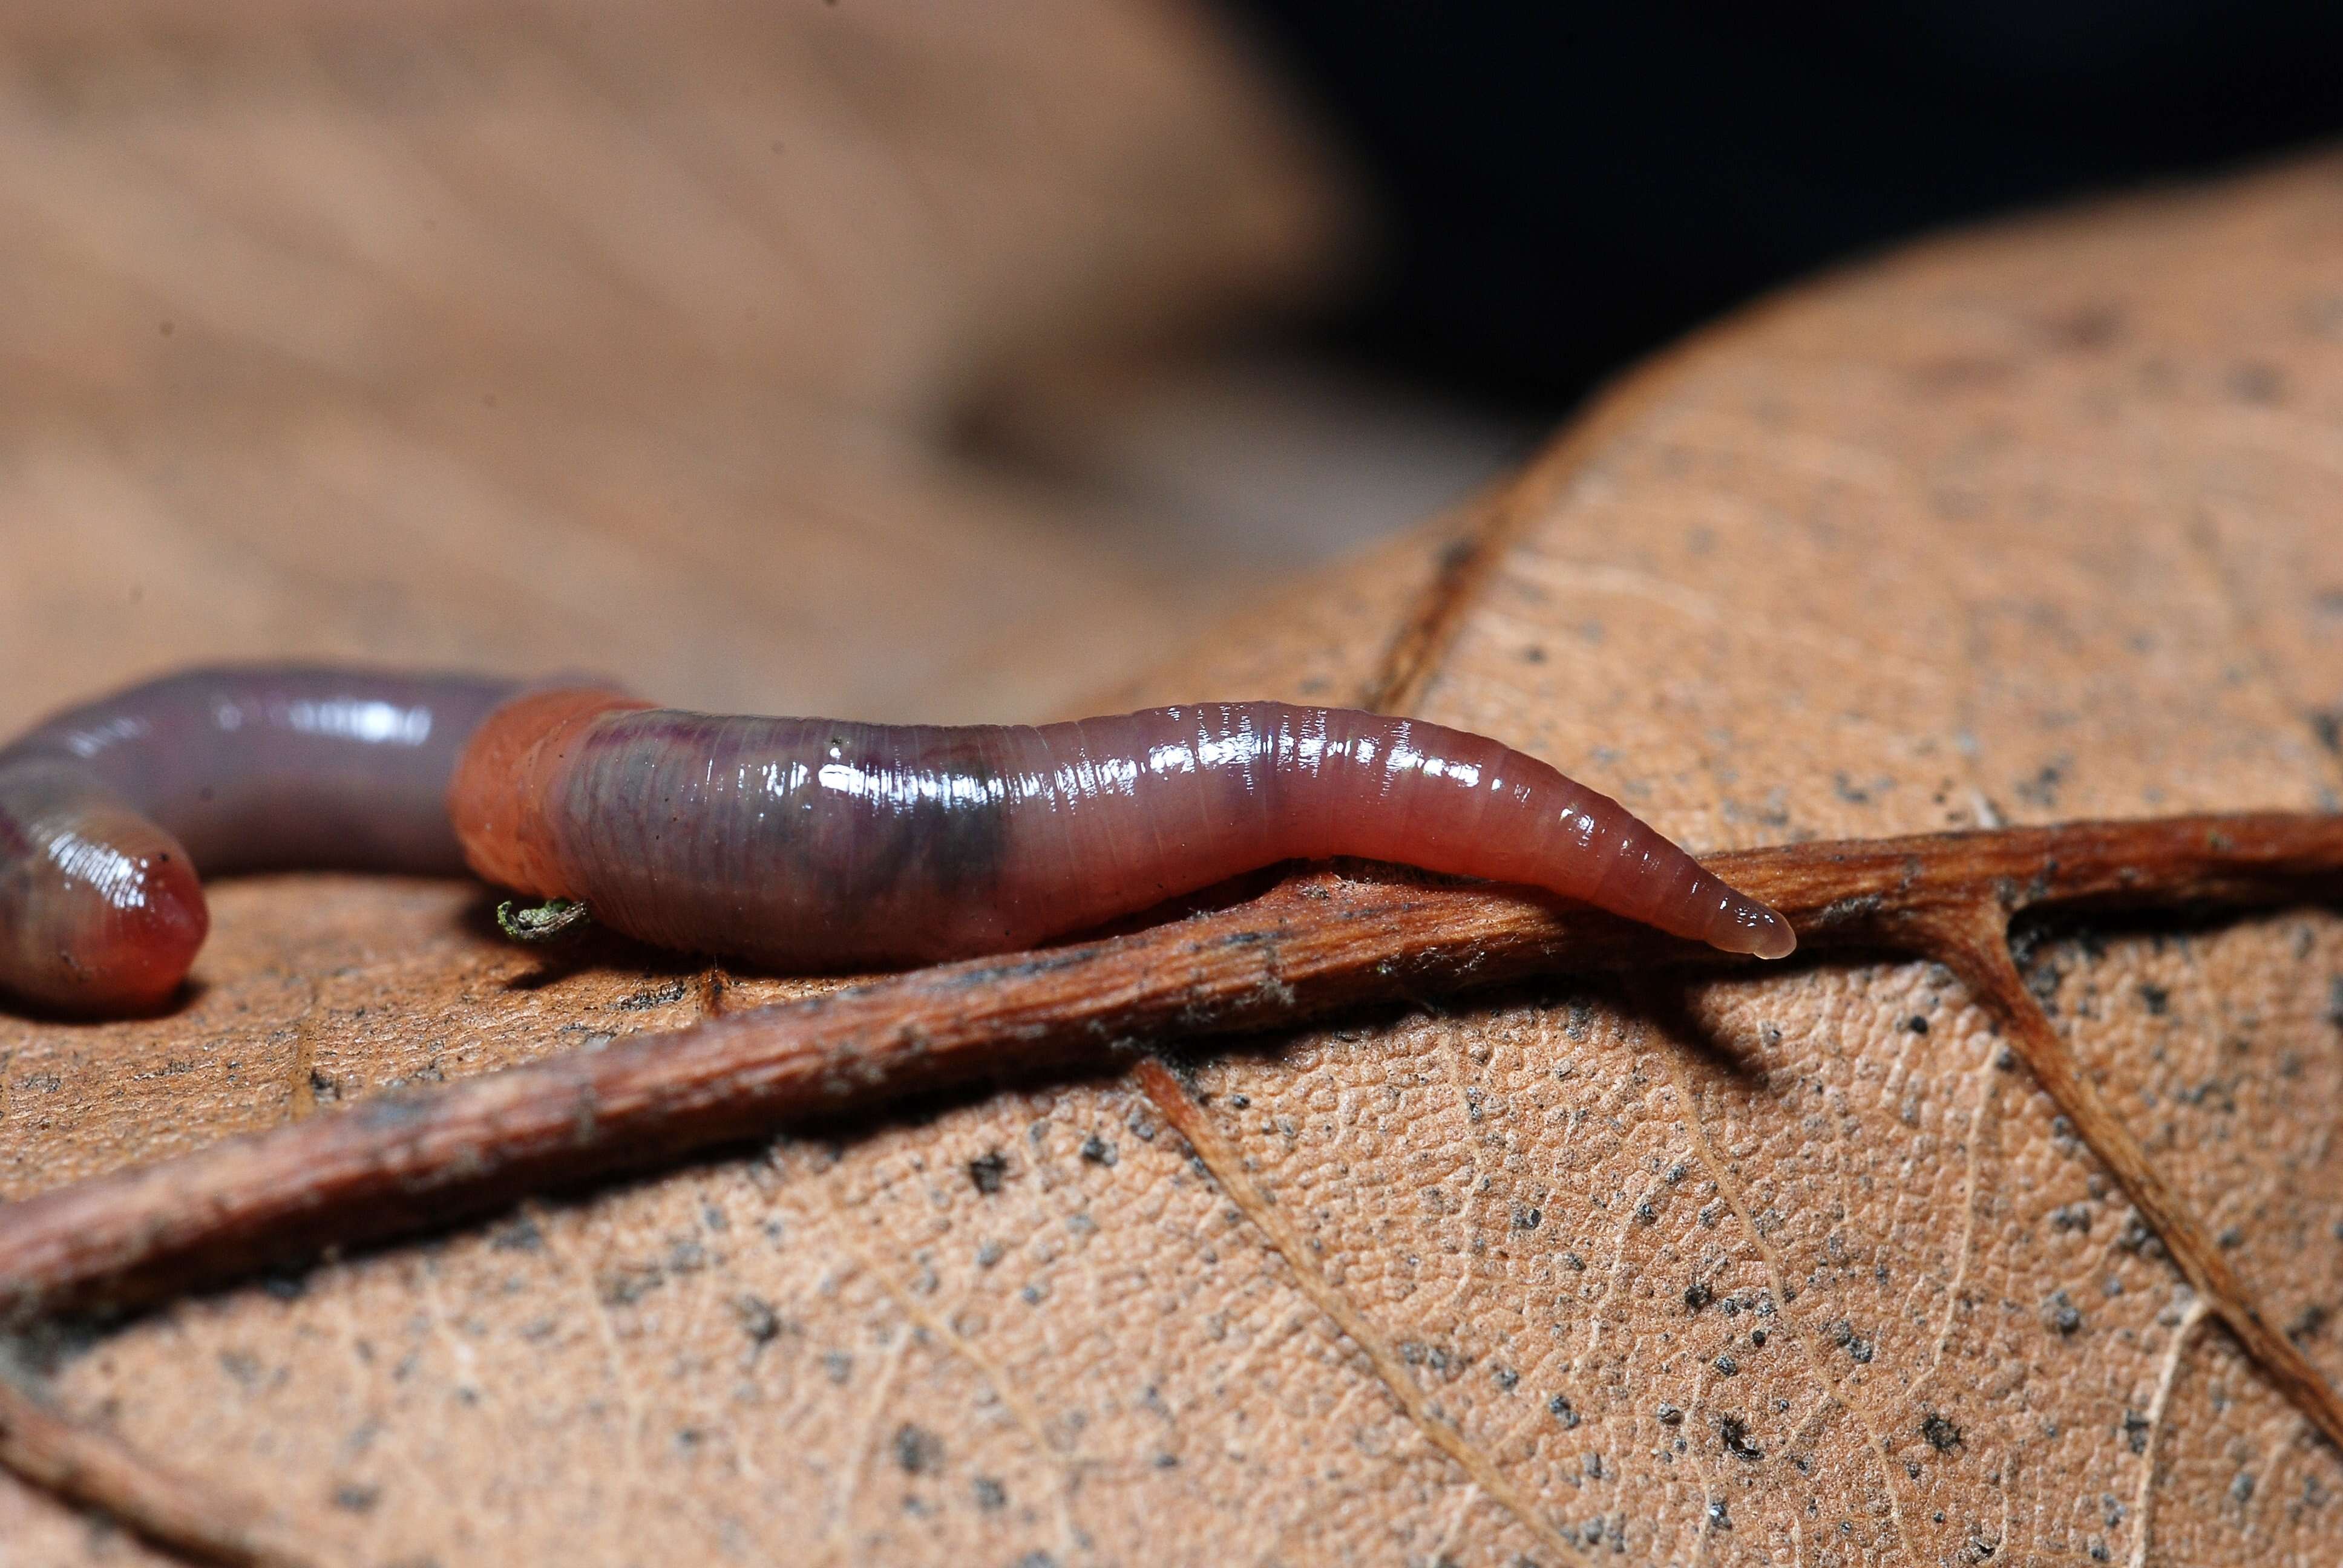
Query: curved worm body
[(814, 843), (807, 843), (108, 812)]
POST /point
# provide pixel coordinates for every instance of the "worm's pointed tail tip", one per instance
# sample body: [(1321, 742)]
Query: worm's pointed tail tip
[(1746, 926), (1774, 939)]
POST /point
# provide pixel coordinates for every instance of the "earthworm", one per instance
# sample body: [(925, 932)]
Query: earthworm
[(810, 844)]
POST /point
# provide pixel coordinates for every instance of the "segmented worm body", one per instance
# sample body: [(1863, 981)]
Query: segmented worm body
[(802, 843)]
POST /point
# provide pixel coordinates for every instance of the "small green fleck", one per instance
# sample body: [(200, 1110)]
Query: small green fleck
[(540, 922)]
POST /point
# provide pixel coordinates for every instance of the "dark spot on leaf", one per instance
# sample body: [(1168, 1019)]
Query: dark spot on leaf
[(987, 1169), (917, 1449), (759, 1321), (657, 997)]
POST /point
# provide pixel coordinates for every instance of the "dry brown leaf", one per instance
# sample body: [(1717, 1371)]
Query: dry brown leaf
[(2023, 526)]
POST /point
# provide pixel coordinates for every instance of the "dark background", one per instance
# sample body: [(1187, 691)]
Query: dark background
[(1569, 185)]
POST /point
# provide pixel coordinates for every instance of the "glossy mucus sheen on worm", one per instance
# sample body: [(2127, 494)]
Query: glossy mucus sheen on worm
[(817, 843), (109, 812)]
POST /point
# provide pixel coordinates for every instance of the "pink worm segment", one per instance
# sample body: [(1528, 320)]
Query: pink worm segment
[(813, 843)]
